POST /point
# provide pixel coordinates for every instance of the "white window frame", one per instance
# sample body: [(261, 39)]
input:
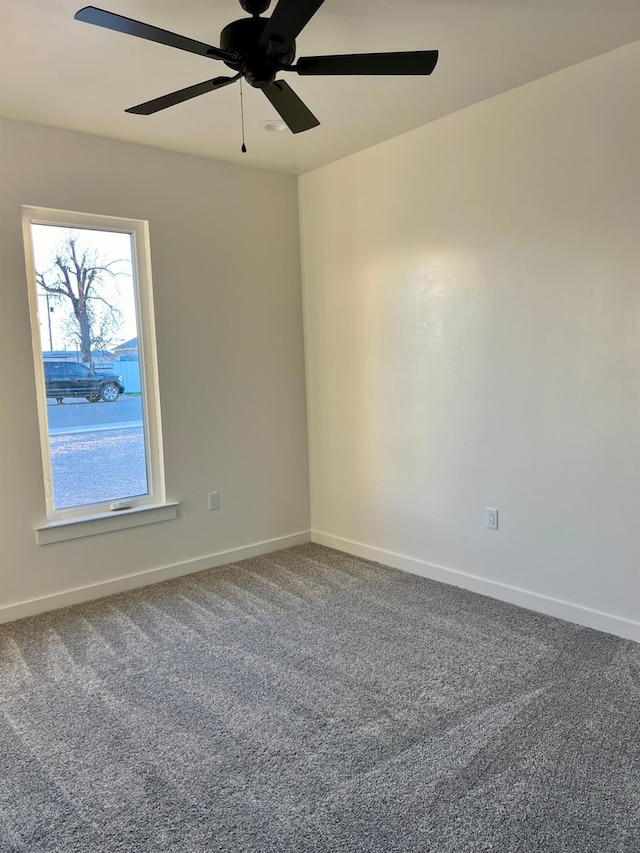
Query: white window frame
[(89, 519)]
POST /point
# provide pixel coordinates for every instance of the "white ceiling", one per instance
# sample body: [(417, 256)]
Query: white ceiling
[(57, 71)]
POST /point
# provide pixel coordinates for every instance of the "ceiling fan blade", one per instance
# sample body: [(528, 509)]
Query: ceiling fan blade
[(111, 21), (295, 114), (405, 62), (157, 104), (288, 19)]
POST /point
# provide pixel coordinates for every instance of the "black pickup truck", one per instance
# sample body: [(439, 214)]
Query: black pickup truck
[(69, 379)]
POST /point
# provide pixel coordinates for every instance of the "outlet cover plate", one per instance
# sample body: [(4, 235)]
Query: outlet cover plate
[(491, 515)]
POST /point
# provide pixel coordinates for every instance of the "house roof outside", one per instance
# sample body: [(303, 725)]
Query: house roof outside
[(131, 344), (76, 355)]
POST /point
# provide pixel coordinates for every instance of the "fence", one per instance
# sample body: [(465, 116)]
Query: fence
[(130, 372)]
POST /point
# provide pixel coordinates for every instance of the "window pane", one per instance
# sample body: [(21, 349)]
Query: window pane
[(88, 328)]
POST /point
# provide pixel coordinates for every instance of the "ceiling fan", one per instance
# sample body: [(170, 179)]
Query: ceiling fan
[(257, 49)]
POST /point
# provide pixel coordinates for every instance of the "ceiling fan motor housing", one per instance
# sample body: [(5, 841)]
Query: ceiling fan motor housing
[(258, 64), (255, 7)]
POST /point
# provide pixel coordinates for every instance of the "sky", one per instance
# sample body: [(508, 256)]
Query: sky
[(119, 291)]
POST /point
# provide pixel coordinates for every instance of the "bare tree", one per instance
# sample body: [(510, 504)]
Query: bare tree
[(79, 274), (104, 329)]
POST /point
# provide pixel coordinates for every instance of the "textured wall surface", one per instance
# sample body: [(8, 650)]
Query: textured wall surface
[(226, 272), (472, 310)]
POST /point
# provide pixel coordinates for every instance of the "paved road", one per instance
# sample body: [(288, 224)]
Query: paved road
[(77, 414)]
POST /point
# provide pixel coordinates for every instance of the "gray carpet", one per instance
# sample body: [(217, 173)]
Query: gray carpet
[(312, 701)]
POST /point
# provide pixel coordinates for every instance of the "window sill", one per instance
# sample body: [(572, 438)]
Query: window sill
[(107, 522)]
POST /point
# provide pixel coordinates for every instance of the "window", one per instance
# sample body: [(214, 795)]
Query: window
[(94, 349)]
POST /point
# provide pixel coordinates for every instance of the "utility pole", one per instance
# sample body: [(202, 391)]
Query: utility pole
[(49, 310)]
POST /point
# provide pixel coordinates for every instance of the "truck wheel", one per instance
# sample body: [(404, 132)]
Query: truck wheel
[(109, 393)]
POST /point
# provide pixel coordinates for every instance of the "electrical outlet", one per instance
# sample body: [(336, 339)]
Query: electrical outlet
[(213, 500), (491, 515)]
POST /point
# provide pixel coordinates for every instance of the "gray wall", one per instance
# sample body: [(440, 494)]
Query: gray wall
[(226, 270), (472, 309)]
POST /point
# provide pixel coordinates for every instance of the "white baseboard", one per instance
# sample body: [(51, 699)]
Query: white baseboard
[(98, 590), (625, 628)]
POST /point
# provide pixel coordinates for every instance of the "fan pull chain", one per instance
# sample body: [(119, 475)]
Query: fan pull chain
[(244, 147)]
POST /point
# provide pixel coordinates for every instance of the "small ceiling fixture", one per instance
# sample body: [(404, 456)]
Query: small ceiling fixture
[(274, 125), (257, 49)]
